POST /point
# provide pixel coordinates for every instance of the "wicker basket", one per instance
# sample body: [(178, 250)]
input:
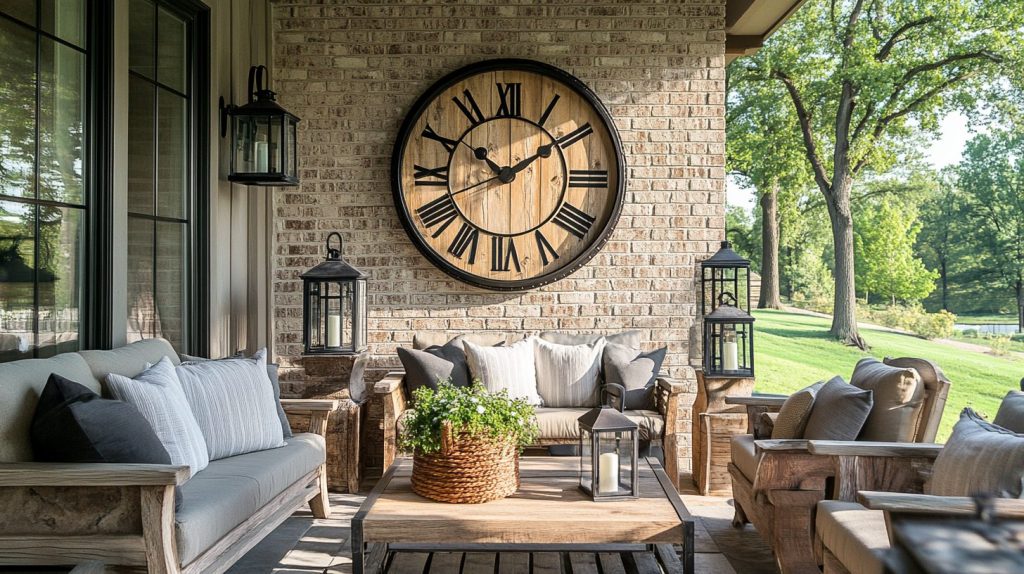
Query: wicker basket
[(468, 469)]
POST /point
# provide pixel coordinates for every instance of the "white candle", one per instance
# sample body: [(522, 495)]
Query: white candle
[(334, 330), (262, 156), (730, 356), (609, 471)]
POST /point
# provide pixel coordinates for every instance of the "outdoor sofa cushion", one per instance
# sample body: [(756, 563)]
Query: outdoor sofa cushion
[(1011, 412), (425, 367), (506, 368), (839, 412), (898, 395), (130, 360), (793, 415), (232, 489), (568, 375), (635, 370), (561, 423), (980, 458), (426, 339), (743, 455), (857, 536), (629, 339)]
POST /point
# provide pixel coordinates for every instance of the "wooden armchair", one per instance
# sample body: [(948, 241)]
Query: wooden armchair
[(777, 484)]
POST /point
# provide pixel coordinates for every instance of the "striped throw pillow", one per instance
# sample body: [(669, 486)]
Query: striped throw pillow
[(158, 395), (568, 375), (233, 402), (507, 368)]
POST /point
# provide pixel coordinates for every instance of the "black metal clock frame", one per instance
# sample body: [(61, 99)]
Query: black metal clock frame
[(407, 132)]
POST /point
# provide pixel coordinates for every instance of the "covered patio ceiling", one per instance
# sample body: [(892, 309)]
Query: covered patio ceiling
[(749, 22)]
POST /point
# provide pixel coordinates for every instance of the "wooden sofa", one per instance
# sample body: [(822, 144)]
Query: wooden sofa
[(777, 484), (124, 514), (664, 427)]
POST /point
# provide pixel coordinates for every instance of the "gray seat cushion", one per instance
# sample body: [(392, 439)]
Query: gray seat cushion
[(855, 535), (232, 489), (743, 455), (560, 423), (130, 360)]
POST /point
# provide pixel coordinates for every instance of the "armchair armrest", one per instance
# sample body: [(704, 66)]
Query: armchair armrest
[(672, 387), (900, 503), (758, 400), (309, 405), (90, 474), (392, 394), (780, 445), (883, 449), (390, 383)]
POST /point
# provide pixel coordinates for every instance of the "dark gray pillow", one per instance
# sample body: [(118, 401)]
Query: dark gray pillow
[(839, 412), (424, 368), (272, 373), (1011, 412), (636, 371)]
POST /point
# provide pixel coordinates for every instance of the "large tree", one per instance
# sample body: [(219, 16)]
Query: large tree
[(992, 182), (867, 79), (886, 263), (763, 147)]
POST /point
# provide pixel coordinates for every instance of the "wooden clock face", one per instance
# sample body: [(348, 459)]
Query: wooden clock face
[(508, 174)]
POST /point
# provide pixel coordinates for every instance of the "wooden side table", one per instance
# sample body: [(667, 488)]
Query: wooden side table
[(714, 425)]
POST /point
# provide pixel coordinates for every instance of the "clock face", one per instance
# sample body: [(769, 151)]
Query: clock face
[(508, 174)]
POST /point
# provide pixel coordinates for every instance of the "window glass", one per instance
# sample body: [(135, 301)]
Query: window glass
[(142, 38), (141, 142), (171, 163), (172, 53), (64, 19), (62, 101), (143, 317), (18, 101), (24, 10)]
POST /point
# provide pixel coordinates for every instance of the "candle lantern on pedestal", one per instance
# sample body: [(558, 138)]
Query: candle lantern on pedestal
[(724, 272), (728, 341), (334, 306), (263, 137), (608, 455)]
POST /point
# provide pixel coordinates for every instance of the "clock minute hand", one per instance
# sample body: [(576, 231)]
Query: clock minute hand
[(542, 151), (475, 185)]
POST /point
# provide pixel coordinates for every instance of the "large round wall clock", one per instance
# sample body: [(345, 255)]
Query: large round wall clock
[(508, 174)]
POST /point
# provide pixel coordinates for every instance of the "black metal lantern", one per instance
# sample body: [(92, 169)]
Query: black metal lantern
[(608, 455), (334, 306), (724, 272), (263, 137), (728, 341)]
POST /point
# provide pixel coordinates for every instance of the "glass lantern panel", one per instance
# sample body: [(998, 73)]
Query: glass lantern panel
[(248, 140), (586, 460), (615, 447), (290, 144), (275, 145), (359, 316), (315, 330)]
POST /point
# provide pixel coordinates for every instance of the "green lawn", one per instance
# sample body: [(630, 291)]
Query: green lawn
[(793, 351)]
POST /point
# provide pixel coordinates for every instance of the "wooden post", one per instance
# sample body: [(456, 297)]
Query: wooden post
[(714, 425)]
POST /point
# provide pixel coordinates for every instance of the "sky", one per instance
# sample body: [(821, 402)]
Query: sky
[(946, 150)]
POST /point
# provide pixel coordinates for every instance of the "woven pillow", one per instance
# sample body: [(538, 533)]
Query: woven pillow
[(567, 375), (158, 395), (899, 397), (794, 413), (839, 412), (1011, 412), (233, 403), (980, 458), (634, 370), (506, 368)]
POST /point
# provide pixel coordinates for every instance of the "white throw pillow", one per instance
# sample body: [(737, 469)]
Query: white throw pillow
[(233, 402), (505, 368), (569, 375), (158, 395)]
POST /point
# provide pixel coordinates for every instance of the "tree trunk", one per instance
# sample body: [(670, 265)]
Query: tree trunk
[(945, 286), (844, 312), (769, 297)]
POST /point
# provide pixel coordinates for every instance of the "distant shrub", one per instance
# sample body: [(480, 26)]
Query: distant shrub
[(999, 345), (1017, 337), (912, 318), (969, 333), (935, 325)]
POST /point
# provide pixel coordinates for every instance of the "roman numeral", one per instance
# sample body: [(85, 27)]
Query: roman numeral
[(471, 110), (441, 212), (466, 238), (510, 95), (589, 178), (580, 133), (548, 110), (449, 145), (503, 253), (573, 220), (544, 247), (422, 173)]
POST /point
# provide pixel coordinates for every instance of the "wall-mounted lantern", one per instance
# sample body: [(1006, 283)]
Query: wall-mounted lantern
[(263, 137), (334, 306)]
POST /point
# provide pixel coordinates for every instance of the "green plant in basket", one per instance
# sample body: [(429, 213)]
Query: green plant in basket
[(471, 410)]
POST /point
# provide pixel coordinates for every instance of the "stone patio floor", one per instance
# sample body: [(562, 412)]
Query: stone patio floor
[(304, 545)]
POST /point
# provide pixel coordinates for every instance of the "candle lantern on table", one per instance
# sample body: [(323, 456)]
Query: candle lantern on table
[(334, 305), (263, 137), (728, 341), (608, 455)]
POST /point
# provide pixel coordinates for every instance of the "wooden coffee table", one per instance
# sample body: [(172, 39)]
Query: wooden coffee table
[(548, 512)]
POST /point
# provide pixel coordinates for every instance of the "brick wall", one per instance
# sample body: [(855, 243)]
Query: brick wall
[(352, 72)]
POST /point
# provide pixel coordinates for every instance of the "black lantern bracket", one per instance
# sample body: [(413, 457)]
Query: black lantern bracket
[(256, 91)]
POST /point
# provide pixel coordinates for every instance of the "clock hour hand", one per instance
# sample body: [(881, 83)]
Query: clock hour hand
[(542, 151), (481, 153)]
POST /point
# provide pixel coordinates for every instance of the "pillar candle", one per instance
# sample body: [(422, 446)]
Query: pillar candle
[(730, 356), (262, 156), (334, 330), (609, 471)]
